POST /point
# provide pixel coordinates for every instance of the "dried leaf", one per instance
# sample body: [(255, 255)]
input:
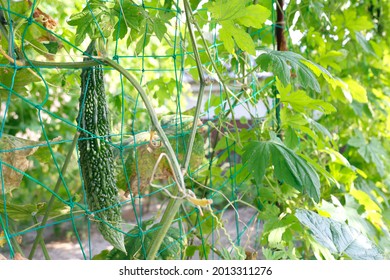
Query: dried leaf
[(18, 256), (2, 240), (14, 152)]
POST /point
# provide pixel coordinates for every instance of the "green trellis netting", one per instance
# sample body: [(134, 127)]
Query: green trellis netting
[(43, 206)]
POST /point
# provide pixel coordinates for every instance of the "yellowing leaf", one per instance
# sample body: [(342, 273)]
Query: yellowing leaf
[(337, 157), (292, 120), (365, 200), (2, 239), (358, 92)]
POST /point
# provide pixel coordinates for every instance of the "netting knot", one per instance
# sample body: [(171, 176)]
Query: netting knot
[(70, 204), (30, 20), (115, 58)]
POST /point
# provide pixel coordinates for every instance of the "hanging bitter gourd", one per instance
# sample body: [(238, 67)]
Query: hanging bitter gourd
[(96, 155)]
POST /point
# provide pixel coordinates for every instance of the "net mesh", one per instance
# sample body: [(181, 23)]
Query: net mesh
[(43, 205)]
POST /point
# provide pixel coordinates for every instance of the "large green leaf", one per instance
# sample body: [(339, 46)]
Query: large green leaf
[(282, 63), (300, 101), (257, 157), (371, 152), (338, 237), (288, 166)]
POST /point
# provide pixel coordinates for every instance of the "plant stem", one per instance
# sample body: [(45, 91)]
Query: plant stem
[(42, 242), (174, 204), (189, 18), (52, 198), (166, 221), (220, 78)]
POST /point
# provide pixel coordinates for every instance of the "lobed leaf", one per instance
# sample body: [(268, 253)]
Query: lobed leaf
[(288, 166), (281, 63), (339, 237)]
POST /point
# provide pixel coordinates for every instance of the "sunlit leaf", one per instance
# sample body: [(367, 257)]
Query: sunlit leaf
[(358, 92), (255, 16), (338, 237), (300, 101), (226, 9)]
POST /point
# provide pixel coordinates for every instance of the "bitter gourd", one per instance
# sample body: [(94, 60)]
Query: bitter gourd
[(96, 155)]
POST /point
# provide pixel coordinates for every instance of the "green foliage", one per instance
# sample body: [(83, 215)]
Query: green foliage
[(233, 15), (282, 62), (339, 238), (288, 166), (94, 20)]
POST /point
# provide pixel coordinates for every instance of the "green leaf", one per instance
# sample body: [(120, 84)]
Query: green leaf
[(257, 157), (226, 36), (226, 9), (288, 166), (320, 128), (131, 17), (296, 172), (356, 22), (231, 13), (371, 152), (230, 34), (367, 48), (299, 101), (95, 20), (255, 16), (338, 237), (24, 212), (358, 140), (281, 63), (291, 139), (159, 28), (244, 41), (18, 80), (194, 4)]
